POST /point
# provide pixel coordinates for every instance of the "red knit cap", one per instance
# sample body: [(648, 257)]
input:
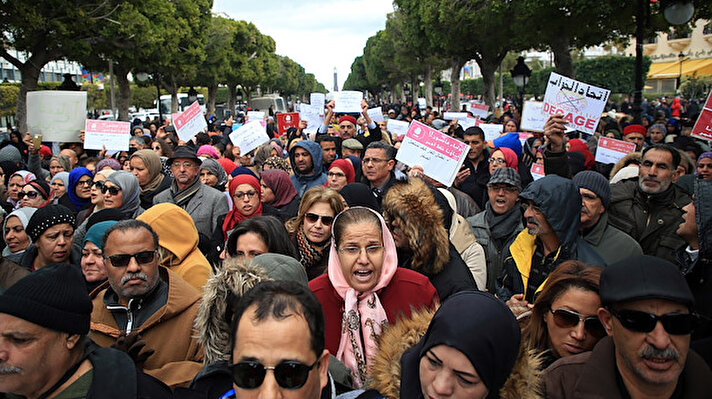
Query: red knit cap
[(347, 118), (633, 129)]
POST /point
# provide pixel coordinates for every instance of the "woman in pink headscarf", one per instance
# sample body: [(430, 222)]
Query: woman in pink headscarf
[(364, 288)]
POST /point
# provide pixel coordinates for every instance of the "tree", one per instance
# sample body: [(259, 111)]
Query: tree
[(214, 69)]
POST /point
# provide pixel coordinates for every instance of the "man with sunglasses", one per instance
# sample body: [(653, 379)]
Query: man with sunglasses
[(647, 314), (278, 343), (144, 298)]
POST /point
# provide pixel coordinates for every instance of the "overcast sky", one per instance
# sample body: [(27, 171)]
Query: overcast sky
[(320, 35)]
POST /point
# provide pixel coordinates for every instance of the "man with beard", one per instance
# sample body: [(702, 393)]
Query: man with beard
[(647, 313), (474, 175), (649, 208), (306, 159), (347, 125), (141, 297)]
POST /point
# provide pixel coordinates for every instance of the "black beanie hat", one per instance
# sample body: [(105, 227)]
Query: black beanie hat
[(46, 217), (595, 182), (53, 297)]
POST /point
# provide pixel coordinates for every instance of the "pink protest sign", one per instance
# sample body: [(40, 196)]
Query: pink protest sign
[(110, 134), (537, 171), (439, 155), (703, 126), (190, 122), (611, 150)]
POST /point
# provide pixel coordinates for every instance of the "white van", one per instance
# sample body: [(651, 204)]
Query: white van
[(263, 103), (183, 103)]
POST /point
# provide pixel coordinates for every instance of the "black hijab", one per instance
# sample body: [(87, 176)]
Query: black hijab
[(478, 325), (358, 194)]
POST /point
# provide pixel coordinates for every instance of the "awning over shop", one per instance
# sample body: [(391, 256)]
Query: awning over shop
[(671, 70)]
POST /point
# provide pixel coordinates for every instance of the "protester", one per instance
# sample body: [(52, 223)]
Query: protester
[(704, 166), (311, 230), (77, 197), (473, 176), (358, 194), (141, 297), (259, 235), (347, 125), (364, 283), (639, 358), (121, 191), (279, 198), (15, 183), (635, 134), (245, 191), (146, 166), (502, 157), (340, 173), (51, 231), (14, 231), (306, 160), (35, 194), (656, 133), (212, 174), (352, 147), (59, 184), (378, 162), (92, 261)]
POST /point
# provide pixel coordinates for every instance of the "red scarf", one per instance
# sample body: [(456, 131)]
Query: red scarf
[(234, 217)]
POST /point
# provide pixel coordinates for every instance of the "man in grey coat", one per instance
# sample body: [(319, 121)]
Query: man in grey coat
[(203, 203), (609, 242)]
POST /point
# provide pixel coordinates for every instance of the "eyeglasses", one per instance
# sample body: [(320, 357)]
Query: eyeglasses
[(288, 374), (335, 174), (497, 160), (85, 182), (98, 184), (373, 160), (565, 318), (249, 194), (356, 251), (506, 187), (185, 164), (111, 190), (122, 260), (29, 194), (313, 218), (644, 322)]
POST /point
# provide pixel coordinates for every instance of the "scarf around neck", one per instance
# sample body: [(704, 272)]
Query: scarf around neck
[(182, 197), (501, 226)]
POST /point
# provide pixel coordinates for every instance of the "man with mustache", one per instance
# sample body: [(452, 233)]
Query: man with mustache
[(649, 208), (647, 311), (141, 297)]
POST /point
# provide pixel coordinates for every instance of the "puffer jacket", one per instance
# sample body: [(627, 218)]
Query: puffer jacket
[(302, 183)]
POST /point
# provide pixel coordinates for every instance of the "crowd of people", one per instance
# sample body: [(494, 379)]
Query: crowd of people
[(319, 266)]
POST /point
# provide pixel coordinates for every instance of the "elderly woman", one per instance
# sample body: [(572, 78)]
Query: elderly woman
[(311, 229), (213, 174), (16, 181), (78, 195), (364, 283), (245, 193), (146, 166), (92, 261), (59, 163), (278, 194), (51, 229), (341, 172), (564, 320), (704, 166), (16, 238), (58, 183)]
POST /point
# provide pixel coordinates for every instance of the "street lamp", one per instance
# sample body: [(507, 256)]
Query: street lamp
[(520, 75), (680, 57)]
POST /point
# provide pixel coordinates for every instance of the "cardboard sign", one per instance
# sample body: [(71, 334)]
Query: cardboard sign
[(376, 114), (533, 117), (285, 121), (537, 171), (396, 127), (190, 122), (112, 135), (310, 113), (318, 99), (347, 101), (580, 103), (249, 136), (479, 110), (255, 116), (611, 150), (703, 126), (492, 130), (448, 116), (57, 115), (438, 154), (468, 122)]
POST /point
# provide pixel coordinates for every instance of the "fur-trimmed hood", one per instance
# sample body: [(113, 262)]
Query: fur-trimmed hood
[(212, 322), (412, 205), (385, 369)]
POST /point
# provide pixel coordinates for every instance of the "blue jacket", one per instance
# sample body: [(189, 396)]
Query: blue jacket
[(302, 183)]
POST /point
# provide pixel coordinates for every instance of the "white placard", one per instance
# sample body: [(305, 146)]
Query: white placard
[(348, 101), (533, 118), (255, 116), (56, 115), (318, 99), (580, 103), (492, 130), (479, 110), (438, 154), (537, 171), (249, 136), (113, 135), (310, 113), (611, 150), (396, 127), (190, 122), (468, 122), (376, 114), (448, 116)]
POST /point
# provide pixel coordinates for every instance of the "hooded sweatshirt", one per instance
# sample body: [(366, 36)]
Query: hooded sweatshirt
[(317, 177)]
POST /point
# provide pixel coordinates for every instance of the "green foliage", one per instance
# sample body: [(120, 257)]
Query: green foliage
[(695, 86), (96, 99), (8, 99), (614, 73), (142, 97)]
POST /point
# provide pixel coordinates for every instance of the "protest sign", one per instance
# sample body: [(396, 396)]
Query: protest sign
[(110, 134), (310, 113), (611, 150), (438, 154), (376, 114), (56, 115), (580, 103), (396, 127), (468, 122), (479, 110), (249, 136), (190, 122), (492, 130), (448, 116), (523, 137), (537, 171), (318, 99), (347, 101), (533, 117), (255, 116), (285, 121), (703, 126)]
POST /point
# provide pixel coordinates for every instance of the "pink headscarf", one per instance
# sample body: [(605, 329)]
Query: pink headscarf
[(363, 306)]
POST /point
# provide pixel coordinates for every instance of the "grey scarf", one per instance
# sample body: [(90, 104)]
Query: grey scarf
[(182, 197)]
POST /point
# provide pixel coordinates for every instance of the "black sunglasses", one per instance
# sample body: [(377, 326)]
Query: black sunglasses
[(565, 318), (313, 218), (288, 374), (111, 190), (98, 184), (122, 260), (30, 194), (644, 322)]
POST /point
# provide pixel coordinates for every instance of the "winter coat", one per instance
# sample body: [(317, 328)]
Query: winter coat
[(407, 290), (169, 331), (652, 220), (593, 374), (385, 371), (177, 233), (10, 272), (610, 243), (147, 198), (205, 207), (475, 185), (302, 183)]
